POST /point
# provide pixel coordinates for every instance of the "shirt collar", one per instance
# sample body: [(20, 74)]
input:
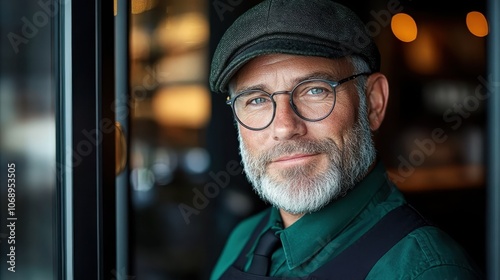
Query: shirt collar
[(314, 230)]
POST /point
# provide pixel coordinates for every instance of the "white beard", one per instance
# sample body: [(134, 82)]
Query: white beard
[(297, 190)]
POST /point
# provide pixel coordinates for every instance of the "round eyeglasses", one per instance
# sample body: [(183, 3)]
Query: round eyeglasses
[(312, 100)]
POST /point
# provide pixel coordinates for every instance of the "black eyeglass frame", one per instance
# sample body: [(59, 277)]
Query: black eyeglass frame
[(333, 84)]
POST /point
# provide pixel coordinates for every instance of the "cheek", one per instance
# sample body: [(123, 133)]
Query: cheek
[(337, 125), (249, 138)]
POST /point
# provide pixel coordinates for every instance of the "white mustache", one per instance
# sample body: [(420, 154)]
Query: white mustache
[(298, 147)]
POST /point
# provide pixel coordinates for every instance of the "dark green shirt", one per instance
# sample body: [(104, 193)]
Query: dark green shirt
[(316, 238)]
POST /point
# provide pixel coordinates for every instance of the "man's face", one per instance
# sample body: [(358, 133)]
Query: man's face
[(297, 165)]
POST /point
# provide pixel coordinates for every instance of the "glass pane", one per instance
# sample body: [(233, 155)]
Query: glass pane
[(28, 223), (171, 108)]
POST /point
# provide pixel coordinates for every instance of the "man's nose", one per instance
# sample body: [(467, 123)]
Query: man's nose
[(286, 124)]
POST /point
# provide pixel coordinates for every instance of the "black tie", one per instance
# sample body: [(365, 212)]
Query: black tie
[(262, 255)]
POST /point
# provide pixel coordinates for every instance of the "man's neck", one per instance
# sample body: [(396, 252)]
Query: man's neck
[(289, 219)]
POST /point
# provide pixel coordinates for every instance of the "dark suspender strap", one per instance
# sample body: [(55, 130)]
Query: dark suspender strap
[(242, 260), (357, 260)]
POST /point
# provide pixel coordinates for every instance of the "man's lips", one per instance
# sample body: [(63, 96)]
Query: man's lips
[(294, 158)]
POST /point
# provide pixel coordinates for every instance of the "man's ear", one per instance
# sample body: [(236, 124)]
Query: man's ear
[(377, 94)]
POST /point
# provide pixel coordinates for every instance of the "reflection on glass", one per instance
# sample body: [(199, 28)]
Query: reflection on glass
[(27, 141)]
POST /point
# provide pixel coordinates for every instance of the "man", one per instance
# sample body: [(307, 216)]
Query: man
[(302, 78)]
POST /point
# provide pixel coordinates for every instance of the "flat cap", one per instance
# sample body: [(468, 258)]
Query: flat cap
[(302, 27)]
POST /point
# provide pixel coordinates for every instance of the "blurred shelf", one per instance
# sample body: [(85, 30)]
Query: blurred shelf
[(439, 177)]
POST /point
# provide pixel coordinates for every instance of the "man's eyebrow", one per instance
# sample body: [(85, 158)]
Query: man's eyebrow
[(250, 87), (314, 75)]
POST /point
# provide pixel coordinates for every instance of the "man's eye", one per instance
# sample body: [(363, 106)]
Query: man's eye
[(257, 100), (315, 91)]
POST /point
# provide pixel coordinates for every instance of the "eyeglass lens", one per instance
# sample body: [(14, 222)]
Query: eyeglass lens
[(312, 100)]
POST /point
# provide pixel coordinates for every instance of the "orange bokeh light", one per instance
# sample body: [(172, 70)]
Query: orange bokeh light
[(404, 27), (477, 24)]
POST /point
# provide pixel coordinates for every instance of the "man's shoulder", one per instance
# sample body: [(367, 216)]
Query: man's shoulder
[(427, 253)]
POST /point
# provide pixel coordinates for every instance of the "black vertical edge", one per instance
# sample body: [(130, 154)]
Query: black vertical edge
[(105, 31), (93, 143), (85, 149)]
